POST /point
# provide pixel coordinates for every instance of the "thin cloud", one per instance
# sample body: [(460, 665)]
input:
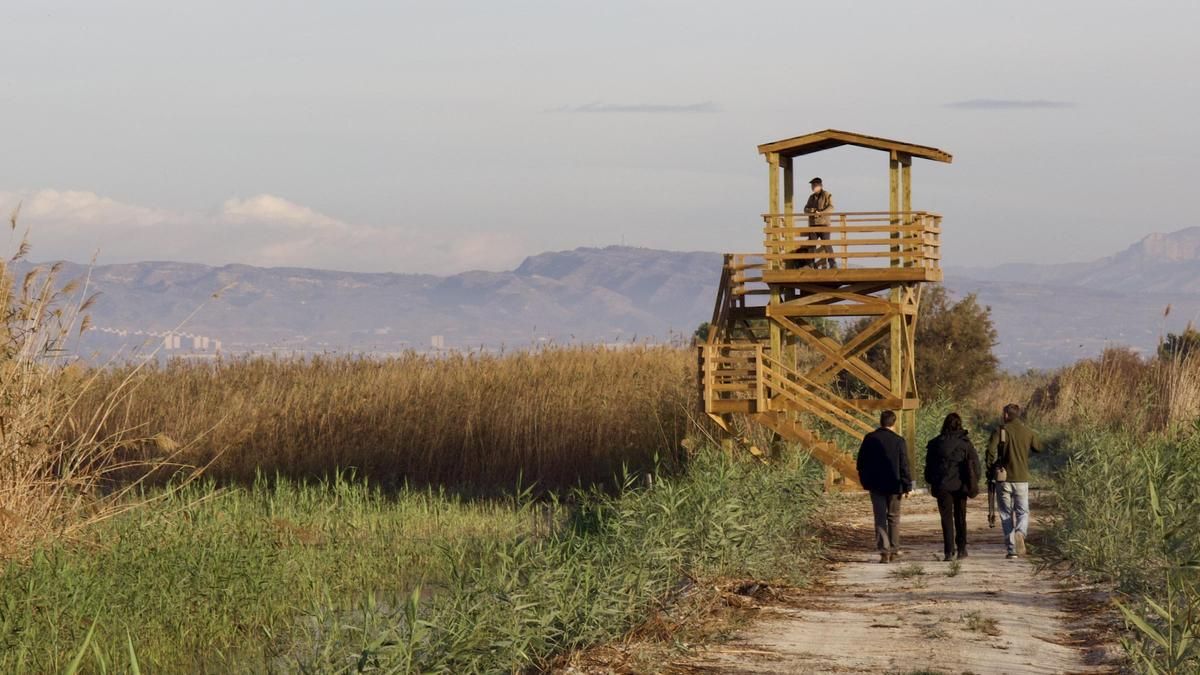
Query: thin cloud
[(266, 230), (1009, 104), (701, 107)]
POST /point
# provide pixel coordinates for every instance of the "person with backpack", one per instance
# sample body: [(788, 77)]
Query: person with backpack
[(1008, 465), (883, 471), (952, 473)]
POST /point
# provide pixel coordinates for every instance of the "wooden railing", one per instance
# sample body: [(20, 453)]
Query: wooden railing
[(741, 277), (866, 239), (729, 373), (776, 378), (754, 376)]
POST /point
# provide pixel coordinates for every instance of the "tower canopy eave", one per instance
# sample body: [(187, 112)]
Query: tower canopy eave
[(833, 138)]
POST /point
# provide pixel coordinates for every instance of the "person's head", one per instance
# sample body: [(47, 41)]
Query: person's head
[(952, 424), (1012, 411), (816, 184), (887, 419)]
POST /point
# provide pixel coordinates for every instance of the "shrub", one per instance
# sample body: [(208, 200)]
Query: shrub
[(954, 343)]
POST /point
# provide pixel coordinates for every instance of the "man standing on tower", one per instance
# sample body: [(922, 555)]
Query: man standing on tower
[(820, 202)]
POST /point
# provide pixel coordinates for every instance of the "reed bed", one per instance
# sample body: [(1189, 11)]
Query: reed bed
[(1119, 390), (555, 417), (1127, 490)]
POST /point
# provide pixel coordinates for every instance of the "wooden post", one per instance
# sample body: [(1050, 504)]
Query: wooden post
[(760, 390), (906, 195), (789, 191), (788, 355), (894, 201), (845, 242), (909, 415), (896, 350), (773, 208)]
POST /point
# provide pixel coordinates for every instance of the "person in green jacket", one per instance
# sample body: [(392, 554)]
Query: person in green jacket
[(1007, 460)]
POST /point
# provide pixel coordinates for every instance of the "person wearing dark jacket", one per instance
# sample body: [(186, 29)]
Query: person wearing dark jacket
[(883, 471), (952, 472)]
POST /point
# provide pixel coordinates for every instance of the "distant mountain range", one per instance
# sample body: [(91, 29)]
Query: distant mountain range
[(1046, 315)]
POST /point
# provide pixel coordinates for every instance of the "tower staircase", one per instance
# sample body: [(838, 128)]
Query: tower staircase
[(776, 306)]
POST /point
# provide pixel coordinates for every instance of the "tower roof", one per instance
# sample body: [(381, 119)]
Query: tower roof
[(833, 138)]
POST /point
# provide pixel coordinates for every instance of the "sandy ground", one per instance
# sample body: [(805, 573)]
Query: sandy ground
[(993, 616)]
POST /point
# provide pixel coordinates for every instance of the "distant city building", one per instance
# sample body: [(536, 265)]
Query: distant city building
[(438, 341)]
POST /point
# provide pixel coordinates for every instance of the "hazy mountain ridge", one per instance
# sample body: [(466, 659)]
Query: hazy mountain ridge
[(1159, 263), (1046, 314)]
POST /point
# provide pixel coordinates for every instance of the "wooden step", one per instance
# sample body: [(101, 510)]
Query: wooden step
[(823, 451)]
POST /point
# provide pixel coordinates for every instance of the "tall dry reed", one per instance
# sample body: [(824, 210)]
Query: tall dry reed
[(555, 417), (1121, 390), (55, 457)]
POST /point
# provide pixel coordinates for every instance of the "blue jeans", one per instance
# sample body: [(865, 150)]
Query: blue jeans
[(1014, 511)]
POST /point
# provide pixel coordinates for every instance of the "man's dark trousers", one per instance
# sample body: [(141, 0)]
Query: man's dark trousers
[(887, 521), (952, 507)]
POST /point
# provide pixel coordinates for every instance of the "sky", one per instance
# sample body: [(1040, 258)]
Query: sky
[(447, 135)]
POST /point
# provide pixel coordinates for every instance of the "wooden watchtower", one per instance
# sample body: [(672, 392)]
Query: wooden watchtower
[(770, 303)]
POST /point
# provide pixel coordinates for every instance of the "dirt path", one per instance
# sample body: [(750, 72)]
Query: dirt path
[(993, 616)]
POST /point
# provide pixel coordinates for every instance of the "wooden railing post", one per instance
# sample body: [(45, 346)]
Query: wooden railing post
[(760, 388), (845, 243)]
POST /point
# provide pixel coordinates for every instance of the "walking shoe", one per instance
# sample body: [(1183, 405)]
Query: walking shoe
[(1020, 539), (950, 557), (962, 554), (1011, 556), (885, 557)]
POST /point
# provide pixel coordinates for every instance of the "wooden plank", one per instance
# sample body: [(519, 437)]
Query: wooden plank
[(810, 403), (852, 274), (830, 310), (862, 289), (882, 215), (735, 387), (888, 274), (720, 422), (848, 354), (826, 296), (789, 192), (744, 406), (776, 334), (882, 227), (803, 240), (894, 254), (840, 357), (832, 138)]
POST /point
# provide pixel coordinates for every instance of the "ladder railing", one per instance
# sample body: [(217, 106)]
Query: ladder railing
[(776, 377)]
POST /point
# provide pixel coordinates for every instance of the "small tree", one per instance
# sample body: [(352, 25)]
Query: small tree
[(954, 344), (1179, 346)]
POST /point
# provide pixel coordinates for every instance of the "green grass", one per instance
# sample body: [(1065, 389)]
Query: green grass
[(1128, 517), (340, 577), (954, 569)]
